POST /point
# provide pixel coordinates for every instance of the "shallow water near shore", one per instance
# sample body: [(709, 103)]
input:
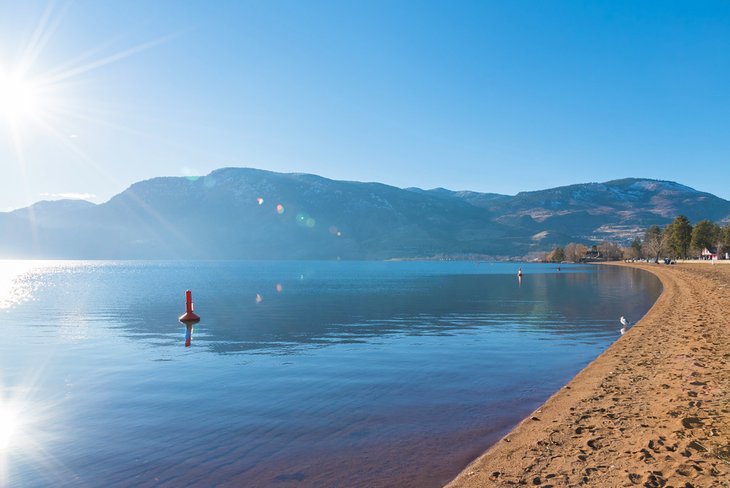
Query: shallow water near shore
[(299, 374)]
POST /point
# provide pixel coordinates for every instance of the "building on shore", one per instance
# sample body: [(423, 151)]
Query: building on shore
[(709, 253)]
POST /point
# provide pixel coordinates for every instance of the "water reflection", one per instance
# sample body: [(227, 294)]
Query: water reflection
[(324, 312), (347, 374), (10, 424), (18, 281), (188, 334), (323, 303), (26, 429)]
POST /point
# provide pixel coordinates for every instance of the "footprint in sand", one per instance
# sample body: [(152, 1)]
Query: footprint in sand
[(594, 444), (692, 422)]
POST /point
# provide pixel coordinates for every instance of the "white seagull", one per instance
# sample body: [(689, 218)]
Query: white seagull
[(624, 324)]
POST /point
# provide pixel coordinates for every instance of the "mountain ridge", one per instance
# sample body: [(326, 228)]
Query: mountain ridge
[(247, 213)]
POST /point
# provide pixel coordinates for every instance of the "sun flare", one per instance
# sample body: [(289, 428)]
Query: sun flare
[(10, 425), (39, 96), (20, 98)]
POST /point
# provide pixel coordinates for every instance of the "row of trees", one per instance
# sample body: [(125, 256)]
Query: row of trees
[(678, 240), (559, 254), (576, 253)]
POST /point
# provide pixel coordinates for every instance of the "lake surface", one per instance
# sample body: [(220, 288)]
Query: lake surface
[(306, 374)]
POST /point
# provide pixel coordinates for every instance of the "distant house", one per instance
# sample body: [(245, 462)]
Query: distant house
[(592, 255), (709, 253)]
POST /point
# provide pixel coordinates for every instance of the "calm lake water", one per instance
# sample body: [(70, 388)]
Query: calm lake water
[(305, 374)]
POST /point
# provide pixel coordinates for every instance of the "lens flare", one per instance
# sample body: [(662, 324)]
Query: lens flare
[(191, 174), (20, 98), (305, 220), (28, 429), (11, 423), (39, 96)]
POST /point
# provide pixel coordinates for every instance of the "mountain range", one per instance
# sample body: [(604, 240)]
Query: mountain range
[(244, 213)]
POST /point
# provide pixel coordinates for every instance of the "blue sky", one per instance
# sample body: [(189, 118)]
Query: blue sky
[(487, 96)]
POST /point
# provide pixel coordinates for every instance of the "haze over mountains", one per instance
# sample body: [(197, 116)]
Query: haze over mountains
[(242, 213)]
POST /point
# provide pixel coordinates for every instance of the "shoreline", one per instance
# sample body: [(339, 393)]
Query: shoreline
[(652, 410)]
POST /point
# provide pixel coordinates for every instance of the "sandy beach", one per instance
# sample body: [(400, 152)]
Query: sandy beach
[(653, 410)]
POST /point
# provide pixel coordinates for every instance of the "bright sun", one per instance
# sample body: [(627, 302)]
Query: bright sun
[(20, 98), (38, 98)]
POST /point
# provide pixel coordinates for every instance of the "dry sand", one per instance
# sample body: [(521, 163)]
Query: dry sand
[(653, 410)]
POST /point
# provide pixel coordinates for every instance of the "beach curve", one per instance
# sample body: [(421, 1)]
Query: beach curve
[(652, 410)]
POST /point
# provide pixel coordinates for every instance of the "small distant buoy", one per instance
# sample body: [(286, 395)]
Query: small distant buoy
[(189, 316), (519, 273)]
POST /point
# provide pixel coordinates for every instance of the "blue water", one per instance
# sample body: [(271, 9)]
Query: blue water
[(299, 374)]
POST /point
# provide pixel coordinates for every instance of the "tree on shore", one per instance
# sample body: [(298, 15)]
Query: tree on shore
[(610, 251), (636, 248), (706, 234), (679, 237), (557, 255), (654, 242), (575, 252), (725, 237), (631, 252)]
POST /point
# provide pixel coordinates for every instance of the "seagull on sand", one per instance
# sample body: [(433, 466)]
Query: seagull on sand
[(624, 324)]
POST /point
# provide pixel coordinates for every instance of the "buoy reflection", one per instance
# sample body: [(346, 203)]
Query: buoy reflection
[(188, 334)]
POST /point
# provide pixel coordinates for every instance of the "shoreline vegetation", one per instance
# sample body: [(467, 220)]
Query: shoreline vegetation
[(679, 240), (653, 410)]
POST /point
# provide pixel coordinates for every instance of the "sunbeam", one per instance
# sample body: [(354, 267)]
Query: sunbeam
[(38, 100), (24, 430), (84, 68), (11, 422), (27, 95), (20, 98)]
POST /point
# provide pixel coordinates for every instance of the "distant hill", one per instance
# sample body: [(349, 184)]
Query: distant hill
[(232, 213), (614, 210)]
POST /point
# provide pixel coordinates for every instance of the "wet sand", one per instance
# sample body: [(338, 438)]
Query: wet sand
[(653, 410)]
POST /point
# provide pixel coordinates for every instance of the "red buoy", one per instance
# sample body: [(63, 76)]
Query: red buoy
[(189, 316)]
